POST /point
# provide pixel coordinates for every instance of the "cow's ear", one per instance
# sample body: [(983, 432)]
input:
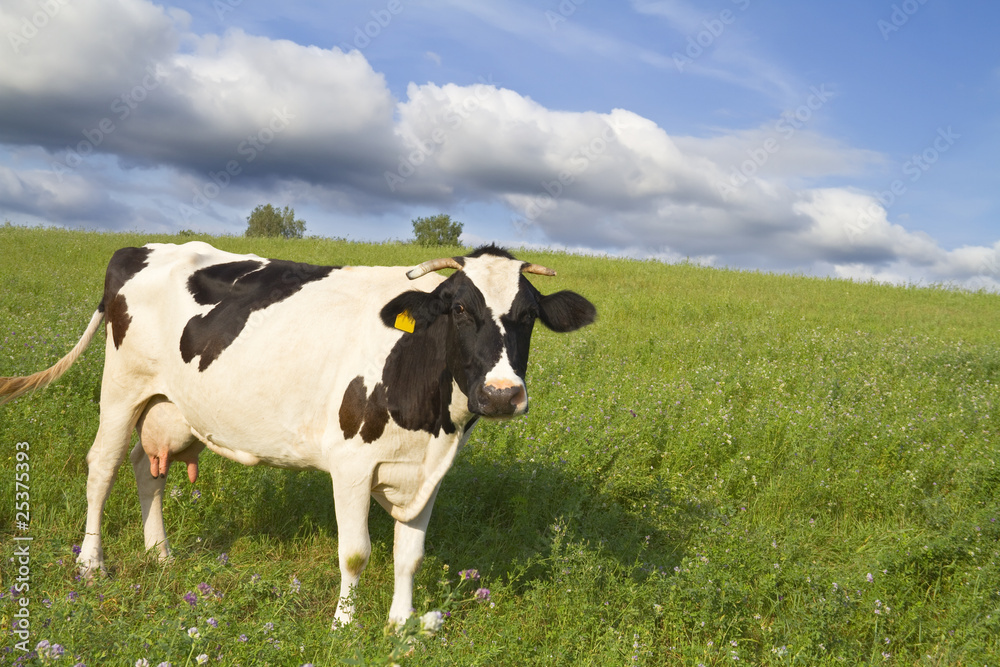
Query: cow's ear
[(566, 311), (418, 306)]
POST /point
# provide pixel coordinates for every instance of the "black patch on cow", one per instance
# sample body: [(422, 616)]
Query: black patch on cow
[(352, 408), (418, 381), (117, 315), (124, 264), (214, 283), (376, 415), (237, 289), (364, 414)]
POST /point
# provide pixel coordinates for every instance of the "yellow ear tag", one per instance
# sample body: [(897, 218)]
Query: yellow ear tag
[(404, 322)]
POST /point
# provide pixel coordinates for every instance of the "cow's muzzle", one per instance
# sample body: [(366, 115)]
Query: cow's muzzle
[(499, 398)]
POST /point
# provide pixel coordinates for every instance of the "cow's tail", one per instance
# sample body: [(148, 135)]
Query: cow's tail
[(11, 388)]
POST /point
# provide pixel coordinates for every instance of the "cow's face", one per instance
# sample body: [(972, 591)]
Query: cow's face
[(486, 311)]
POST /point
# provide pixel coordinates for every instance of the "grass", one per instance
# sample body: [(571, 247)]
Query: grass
[(727, 468)]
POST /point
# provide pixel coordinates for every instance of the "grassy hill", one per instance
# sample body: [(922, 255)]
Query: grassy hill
[(727, 468)]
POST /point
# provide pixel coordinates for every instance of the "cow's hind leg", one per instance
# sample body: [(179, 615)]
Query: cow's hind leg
[(164, 436), (103, 460), (151, 500)]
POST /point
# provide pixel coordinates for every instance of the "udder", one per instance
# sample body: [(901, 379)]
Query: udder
[(166, 437)]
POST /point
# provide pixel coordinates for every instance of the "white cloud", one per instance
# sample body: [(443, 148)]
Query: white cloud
[(41, 193), (137, 86), (228, 117)]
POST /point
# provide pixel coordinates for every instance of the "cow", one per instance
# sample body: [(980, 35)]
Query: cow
[(375, 375)]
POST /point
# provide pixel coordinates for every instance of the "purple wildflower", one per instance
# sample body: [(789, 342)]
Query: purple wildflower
[(468, 574), (191, 598), (48, 651), (483, 594)]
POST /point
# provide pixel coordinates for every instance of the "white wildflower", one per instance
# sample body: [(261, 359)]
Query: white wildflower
[(432, 621)]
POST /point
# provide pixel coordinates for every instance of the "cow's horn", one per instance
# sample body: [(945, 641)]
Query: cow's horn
[(433, 265), (537, 268)]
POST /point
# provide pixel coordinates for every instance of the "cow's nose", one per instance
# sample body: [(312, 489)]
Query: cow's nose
[(504, 398)]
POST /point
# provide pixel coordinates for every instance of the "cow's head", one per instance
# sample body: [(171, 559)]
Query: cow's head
[(485, 311)]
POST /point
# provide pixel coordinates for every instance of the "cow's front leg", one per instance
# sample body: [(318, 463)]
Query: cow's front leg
[(351, 501), (407, 555)]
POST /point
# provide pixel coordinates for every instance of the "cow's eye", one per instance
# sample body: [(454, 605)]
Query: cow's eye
[(458, 309)]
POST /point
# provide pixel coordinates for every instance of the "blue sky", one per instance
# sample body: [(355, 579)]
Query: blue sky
[(851, 139)]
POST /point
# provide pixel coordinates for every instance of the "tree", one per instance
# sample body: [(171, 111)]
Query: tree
[(437, 230), (269, 221)]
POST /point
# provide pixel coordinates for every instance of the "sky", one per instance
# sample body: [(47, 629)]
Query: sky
[(856, 139)]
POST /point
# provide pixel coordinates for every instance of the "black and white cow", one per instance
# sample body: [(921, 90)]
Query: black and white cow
[(343, 369)]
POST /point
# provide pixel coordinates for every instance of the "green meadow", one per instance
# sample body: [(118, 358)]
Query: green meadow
[(727, 468)]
